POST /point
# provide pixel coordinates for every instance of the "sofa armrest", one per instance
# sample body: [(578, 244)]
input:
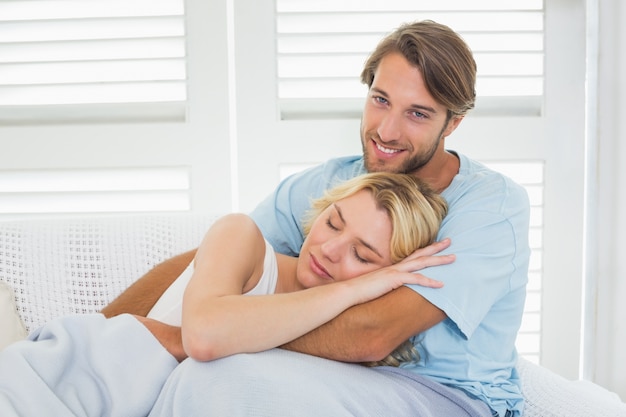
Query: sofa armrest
[(547, 394)]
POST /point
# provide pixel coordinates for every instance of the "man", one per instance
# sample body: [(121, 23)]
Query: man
[(421, 84)]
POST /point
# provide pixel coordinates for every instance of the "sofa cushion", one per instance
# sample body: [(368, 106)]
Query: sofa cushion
[(11, 326)]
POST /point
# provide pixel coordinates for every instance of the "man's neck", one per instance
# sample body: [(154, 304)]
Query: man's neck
[(439, 173)]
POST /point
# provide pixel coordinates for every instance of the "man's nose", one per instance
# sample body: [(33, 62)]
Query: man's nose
[(389, 128)]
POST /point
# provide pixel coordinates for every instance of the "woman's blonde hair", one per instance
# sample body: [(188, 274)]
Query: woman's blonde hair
[(414, 209)]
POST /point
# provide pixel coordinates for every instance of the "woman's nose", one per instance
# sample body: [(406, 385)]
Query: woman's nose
[(331, 249)]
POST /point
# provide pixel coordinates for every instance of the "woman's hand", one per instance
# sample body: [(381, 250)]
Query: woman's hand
[(427, 256), (377, 283), (168, 336)]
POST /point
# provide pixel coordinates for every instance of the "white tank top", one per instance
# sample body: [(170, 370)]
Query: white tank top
[(169, 307)]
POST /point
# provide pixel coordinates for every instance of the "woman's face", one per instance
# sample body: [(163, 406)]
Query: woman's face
[(348, 239)]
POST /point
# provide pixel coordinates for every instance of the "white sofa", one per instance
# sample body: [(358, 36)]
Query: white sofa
[(55, 267)]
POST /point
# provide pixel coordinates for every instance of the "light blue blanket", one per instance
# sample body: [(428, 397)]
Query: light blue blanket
[(84, 366), (90, 366), (282, 383)]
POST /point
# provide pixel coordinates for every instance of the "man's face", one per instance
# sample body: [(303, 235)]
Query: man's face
[(403, 127)]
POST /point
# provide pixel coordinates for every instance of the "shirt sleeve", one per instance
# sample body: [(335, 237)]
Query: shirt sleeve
[(489, 232)]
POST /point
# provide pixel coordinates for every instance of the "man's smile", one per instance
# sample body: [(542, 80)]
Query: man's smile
[(388, 151)]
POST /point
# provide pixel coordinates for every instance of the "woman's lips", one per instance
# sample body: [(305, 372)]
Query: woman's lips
[(317, 268)]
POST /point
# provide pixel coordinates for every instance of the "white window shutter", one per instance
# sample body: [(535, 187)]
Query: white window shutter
[(98, 112), (322, 46), (92, 60)]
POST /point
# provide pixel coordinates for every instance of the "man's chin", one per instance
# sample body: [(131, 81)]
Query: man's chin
[(380, 165)]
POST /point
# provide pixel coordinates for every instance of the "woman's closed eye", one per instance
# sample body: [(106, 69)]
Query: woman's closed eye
[(355, 252), (358, 257), (330, 224)]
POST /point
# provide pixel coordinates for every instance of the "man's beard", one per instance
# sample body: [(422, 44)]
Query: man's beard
[(408, 166)]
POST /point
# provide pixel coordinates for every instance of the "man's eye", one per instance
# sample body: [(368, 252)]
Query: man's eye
[(380, 99)]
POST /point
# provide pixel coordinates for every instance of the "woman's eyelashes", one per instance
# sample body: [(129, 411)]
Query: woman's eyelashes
[(358, 258)]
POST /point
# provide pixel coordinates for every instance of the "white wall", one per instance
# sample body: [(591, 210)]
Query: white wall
[(610, 251)]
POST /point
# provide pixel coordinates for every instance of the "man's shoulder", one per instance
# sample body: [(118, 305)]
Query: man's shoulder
[(476, 181), (334, 171), (350, 165)]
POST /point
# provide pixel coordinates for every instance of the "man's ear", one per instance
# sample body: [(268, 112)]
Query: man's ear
[(453, 123)]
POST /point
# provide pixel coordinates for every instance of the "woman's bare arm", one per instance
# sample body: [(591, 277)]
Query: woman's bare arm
[(218, 321), (370, 331)]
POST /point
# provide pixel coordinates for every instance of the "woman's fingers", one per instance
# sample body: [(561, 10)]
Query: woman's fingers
[(386, 279), (416, 264), (424, 258), (431, 249), (415, 278)]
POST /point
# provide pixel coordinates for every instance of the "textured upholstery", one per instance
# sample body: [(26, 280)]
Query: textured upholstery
[(550, 395), (74, 266)]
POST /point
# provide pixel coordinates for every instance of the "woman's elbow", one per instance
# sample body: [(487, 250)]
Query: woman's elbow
[(200, 346)]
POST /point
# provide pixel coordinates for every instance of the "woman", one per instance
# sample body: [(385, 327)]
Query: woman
[(88, 365), (359, 229)]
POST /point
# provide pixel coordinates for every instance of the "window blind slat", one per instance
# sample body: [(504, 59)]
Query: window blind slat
[(63, 180), (77, 72), (399, 5), (141, 112), (165, 47), (383, 22), (82, 29), (61, 9), (93, 93), (105, 202), (95, 190), (297, 43)]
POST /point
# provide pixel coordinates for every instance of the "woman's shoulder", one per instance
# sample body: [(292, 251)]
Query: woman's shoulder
[(240, 232), (239, 223)]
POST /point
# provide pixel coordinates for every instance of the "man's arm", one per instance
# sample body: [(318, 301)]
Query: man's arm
[(142, 295), (370, 331)]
